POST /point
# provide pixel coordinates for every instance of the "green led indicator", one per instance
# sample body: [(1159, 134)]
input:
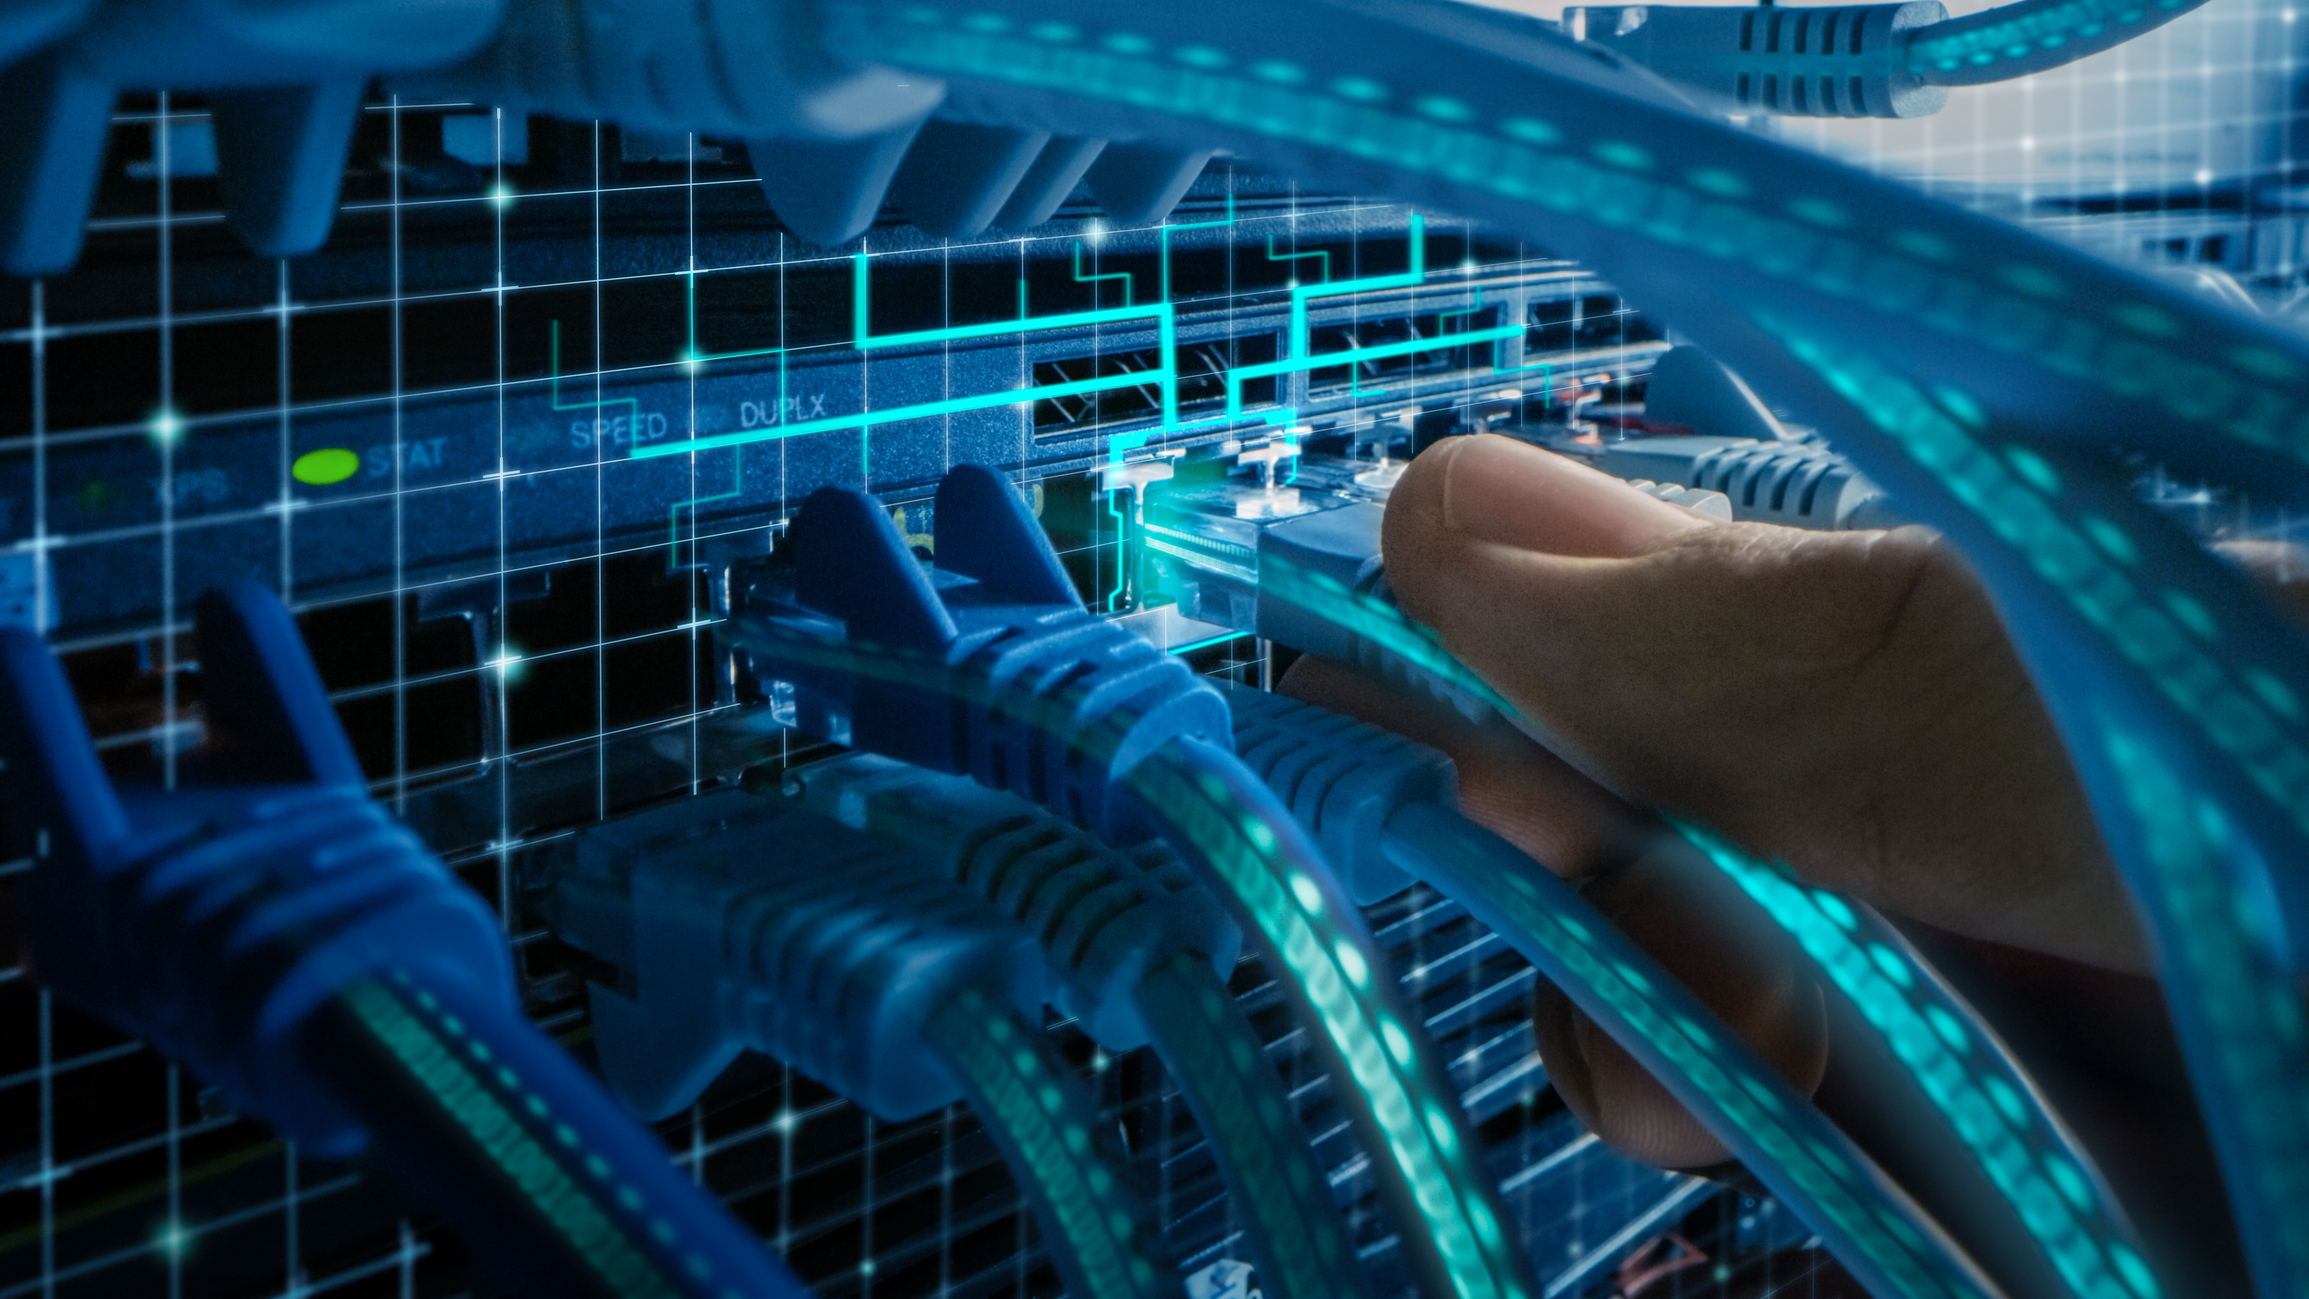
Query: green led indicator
[(326, 466)]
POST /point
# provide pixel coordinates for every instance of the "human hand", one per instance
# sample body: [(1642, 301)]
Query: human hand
[(1843, 702)]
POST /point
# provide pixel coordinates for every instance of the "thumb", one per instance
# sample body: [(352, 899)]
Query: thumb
[(1511, 554), (1510, 494), (1495, 544)]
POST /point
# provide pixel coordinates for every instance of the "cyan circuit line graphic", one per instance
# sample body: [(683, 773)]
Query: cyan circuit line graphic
[(1162, 312), (1295, 348), (632, 404)]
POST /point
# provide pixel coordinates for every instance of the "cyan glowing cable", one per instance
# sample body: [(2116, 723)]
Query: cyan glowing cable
[(1777, 261), (2152, 687), (1245, 1112), (1137, 959), (1961, 1068), (1225, 822), (274, 929), (2015, 40), (1653, 196), (551, 1182), (1014, 683), (2018, 1144), (1104, 1241), (1379, 805), (724, 923), (2248, 1046), (1893, 1247)]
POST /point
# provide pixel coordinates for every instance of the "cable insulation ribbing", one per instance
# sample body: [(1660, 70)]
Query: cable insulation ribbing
[(1953, 357), (1423, 1153), (1239, 1101), (499, 1130), (1102, 1235)]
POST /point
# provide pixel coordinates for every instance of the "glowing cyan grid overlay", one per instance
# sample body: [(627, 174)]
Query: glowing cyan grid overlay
[(187, 1129), (1963, 147), (1298, 356), (2188, 121)]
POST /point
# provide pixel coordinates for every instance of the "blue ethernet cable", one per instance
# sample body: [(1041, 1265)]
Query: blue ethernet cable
[(2026, 1157), (2030, 36), (988, 1049), (1999, 1170), (1974, 370), (1380, 802), (1947, 1059), (268, 925), (1989, 1157), (1140, 952), (1863, 60), (733, 923), (1948, 354), (997, 670), (1319, 587)]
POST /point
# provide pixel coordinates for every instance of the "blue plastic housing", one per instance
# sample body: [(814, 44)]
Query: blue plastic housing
[(213, 919), (737, 924), (987, 664), (1105, 916), (1342, 779)]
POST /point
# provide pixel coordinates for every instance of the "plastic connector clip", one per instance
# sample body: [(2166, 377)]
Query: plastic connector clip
[(1290, 578), (214, 919), (1141, 952), (267, 924), (740, 925), (1105, 916), (861, 963), (990, 666)]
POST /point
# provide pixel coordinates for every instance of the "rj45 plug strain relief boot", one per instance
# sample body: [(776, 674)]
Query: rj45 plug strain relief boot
[(737, 924), (215, 919), (283, 79), (1105, 916), (990, 666), (1341, 779), (1833, 61), (748, 69)]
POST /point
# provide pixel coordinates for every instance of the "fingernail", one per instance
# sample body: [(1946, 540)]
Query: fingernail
[(1513, 494)]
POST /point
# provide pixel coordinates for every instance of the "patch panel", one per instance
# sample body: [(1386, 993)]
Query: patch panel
[(496, 436), (456, 691), (532, 409)]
